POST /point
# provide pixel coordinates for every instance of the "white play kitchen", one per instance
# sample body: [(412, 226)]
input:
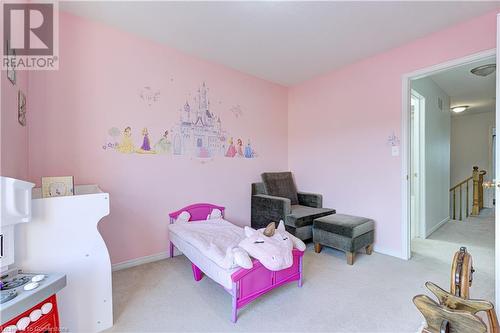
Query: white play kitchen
[(48, 247), (27, 299)]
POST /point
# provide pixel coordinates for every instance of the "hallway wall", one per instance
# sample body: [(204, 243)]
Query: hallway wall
[(471, 141)]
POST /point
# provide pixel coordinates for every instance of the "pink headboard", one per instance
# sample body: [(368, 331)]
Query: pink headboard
[(198, 211)]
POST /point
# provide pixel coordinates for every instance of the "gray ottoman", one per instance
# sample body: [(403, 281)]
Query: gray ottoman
[(344, 232)]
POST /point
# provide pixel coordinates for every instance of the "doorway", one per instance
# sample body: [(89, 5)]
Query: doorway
[(416, 224)]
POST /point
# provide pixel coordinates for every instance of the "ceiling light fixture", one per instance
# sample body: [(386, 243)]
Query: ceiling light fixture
[(484, 70), (458, 109)]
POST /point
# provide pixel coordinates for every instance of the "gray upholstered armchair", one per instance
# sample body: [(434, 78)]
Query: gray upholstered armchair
[(277, 198)]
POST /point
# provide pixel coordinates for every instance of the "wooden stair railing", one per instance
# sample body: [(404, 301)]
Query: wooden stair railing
[(477, 180)]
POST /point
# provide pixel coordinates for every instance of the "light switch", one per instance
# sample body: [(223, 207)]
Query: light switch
[(395, 150)]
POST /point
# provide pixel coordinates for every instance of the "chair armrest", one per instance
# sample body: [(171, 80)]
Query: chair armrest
[(267, 209), (310, 199)]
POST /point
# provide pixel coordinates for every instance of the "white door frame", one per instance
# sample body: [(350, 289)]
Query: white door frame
[(419, 118), (405, 143), (405, 150)]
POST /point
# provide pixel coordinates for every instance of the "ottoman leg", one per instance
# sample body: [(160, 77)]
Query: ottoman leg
[(369, 249), (317, 247), (350, 257)]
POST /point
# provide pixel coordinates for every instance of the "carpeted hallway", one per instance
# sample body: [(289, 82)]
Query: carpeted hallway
[(478, 235), (374, 295)]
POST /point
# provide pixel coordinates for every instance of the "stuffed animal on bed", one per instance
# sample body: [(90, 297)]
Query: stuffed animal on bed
[(272, 247), (297, 242), (183, 217), (238, 257), (229, 246), (215, 238), (215, 214)]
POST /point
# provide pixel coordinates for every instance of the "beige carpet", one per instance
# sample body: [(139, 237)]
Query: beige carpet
[(374, 295), (478, 235)]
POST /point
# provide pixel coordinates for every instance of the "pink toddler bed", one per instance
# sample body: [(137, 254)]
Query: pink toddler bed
[(244, 285)]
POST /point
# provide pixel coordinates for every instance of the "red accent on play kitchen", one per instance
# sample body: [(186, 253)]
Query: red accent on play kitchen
[(47, 323)]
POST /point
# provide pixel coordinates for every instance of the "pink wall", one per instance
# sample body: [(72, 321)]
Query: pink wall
[(339, 124), (335, 141), (96, 88), (14, 137)]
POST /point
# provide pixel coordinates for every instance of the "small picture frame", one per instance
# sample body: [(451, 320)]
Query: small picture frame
[(21, 108), (11, 71), (57, 186)]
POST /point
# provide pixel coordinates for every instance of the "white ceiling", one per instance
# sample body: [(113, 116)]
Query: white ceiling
[(465, 88), (283, 42)]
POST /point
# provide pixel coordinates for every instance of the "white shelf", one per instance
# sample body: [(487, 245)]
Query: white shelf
[(79, 190)]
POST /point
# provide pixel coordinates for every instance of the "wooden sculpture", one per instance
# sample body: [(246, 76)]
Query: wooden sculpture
[(440, 319), (461, 273), (471, 306), (455, 312)]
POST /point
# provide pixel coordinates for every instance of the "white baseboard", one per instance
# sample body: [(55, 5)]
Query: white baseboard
[(139, 261), (436, 227), (164, 255), (388, 252)]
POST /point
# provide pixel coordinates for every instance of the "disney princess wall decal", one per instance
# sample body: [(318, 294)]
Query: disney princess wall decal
[(163, 146), (146, 143), (239, 148), (198, 134), (115, 134), (248, 150), (236, 111), (231, 150), (203, 152), (149, 96), (126, 146)]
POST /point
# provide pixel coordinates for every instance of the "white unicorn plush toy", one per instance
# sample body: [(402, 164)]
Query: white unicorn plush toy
[(271, 246)]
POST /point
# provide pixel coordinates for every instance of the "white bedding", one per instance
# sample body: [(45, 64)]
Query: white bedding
[(215, 238), (211, 269)]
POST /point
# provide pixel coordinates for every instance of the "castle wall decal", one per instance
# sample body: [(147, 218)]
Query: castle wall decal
[(198, 133)]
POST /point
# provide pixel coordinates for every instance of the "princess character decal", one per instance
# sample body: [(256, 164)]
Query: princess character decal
[(145, 142), (164, 145), (126, 146), (248, 150), (239, 148), (231, 150), (146, 145)]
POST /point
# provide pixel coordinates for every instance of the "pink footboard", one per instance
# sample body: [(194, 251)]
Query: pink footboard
[(248, 284)]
